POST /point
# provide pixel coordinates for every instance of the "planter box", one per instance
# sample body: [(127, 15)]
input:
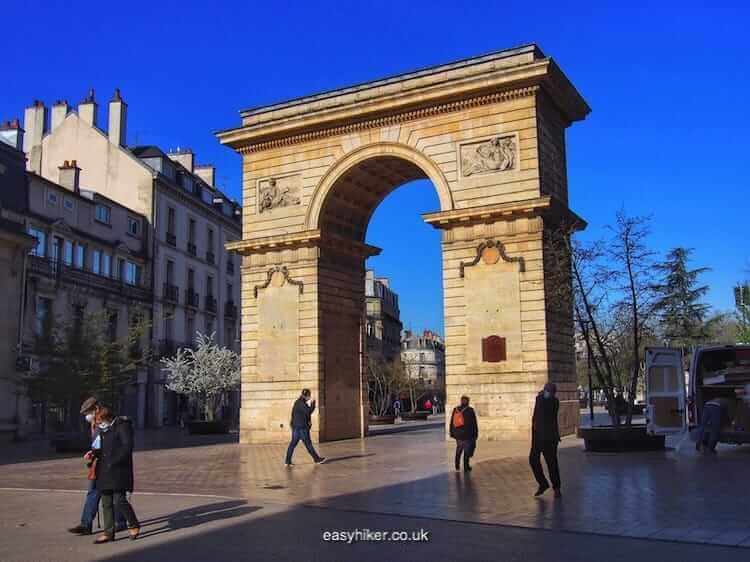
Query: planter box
[(620, 439), (382, 420), (207, 427), (412, 416)]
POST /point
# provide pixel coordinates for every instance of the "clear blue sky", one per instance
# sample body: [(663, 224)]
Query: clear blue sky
[(668, 83)]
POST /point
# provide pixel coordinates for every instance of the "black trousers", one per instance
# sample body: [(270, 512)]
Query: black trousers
[(465, 448), (116, 500), (549, 450)]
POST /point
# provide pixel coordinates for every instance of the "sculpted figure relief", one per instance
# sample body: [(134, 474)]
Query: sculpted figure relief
[(494, 155), (272, 195)]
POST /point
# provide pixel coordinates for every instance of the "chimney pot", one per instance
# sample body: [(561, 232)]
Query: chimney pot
[(118, 111), (70, 175)]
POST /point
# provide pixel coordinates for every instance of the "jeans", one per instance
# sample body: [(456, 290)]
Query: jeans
[(711, 419), (301, 434), (116, 502), (549, 450), (467, 449), (91, 506)]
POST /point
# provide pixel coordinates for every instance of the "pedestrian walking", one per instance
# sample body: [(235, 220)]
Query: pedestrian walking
[(465, 430), (716, 413), (545, 436), (428, 406), (91, 504), (114, 472), (397, 407), (300, 423)]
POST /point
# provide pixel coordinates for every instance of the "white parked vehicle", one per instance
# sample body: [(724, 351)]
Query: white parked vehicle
[(718, 371)]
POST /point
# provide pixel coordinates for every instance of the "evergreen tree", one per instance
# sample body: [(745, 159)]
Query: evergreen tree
[(682, 310)]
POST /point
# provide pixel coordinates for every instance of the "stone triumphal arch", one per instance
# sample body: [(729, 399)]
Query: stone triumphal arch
[(489, 133)]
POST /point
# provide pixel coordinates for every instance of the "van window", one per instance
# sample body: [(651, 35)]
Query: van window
[(715, 360)]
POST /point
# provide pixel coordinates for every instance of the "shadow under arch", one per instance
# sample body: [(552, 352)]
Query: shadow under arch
[(420, 166)]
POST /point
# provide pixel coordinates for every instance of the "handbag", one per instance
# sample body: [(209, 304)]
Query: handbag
[(92, 470)]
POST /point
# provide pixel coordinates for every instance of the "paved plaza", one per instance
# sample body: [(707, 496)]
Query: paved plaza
[(198, 498)]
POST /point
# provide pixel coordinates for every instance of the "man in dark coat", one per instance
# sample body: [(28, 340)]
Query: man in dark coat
[(545, 436), (465, 430), (300, 423)]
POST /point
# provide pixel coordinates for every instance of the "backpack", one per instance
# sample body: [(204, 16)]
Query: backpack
[(458, 418)]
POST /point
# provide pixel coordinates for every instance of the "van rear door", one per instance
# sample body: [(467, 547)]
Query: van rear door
[(665, 391)]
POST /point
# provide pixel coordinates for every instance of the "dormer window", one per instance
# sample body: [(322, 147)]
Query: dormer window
[(134, 227), (103, 214)]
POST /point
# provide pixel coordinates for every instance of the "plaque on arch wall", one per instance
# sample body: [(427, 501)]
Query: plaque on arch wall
[(493, 349)]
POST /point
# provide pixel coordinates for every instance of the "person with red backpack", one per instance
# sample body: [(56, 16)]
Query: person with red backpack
[(465, 430)]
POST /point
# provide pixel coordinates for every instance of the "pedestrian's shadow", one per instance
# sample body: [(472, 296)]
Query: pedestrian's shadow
[(195, 516), (330, 460)]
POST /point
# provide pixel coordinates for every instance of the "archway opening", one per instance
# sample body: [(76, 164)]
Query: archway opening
[(377, 205)]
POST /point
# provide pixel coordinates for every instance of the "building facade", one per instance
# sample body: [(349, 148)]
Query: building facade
[(423, 357), (194, 281), (383, 319)]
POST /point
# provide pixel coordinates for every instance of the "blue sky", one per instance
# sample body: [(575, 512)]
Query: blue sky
[(668, 84)]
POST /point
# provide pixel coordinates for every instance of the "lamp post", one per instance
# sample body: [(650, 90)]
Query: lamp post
[(591, 392)]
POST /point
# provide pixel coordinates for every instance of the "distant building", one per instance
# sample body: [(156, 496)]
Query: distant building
[(423, 357), (185, 223), (383, 323)]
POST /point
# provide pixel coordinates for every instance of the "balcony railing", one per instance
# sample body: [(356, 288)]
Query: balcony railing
[(191, 298), (171, 239), (210, 303), (171, 293), (191, 248), (62, 273), (230, 310), (210, 257)]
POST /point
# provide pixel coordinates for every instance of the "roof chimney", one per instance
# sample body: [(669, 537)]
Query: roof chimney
[(11, 133), (118, 112), (69, 176), (59, 112), (33, 123), (206, 172), (183, 156), (88, 108)]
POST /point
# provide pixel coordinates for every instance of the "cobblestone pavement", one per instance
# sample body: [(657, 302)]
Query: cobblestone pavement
[(674, 495)]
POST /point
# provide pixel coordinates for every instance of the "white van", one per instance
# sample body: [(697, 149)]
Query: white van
[(715, 371)]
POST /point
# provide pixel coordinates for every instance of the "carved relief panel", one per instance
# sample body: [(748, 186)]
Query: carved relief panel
[(497, 154), (276, 192)]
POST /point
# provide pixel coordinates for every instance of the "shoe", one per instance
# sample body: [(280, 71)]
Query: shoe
[(288, 464), (558, 493), (101, 539), (540, 491), (698, 446), (321, 460), (467, 468), (134, 532), (80, 530), (458, 468)]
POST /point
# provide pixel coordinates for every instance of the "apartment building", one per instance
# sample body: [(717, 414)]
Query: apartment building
[(423, 357), (383, 318), (188, 220)]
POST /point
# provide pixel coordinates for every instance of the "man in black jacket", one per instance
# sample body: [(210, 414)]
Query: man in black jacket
[(300, 424), (545, 435), (465, 430)]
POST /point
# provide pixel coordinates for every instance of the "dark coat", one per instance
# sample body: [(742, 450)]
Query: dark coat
[(301, 413), (544, 422), (470, 430), (114, 469)]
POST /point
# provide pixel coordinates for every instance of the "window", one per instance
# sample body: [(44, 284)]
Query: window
[(171, 220), (134, 226), (191, 279), (170, 272), (230, 291), (121, 269), (96, 261), (40, 249), (229, 334), (112, 324), (191, 231), (68, 204), (68, 252), (43, 317), (210, 235), (52, 198), (80, 256), (106, 265), (209, 326), (103, 214), (208, 197), (209, 286), (189, 329), (132, 273), (168, 325)]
